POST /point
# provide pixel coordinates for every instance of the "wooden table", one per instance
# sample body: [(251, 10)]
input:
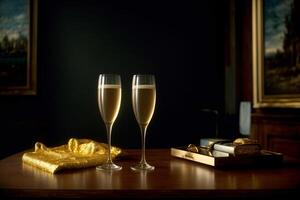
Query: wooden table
[(173, 177)]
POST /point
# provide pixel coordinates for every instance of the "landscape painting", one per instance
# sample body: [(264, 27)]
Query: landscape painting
[(17, 47), (276, 53), (282, 47)]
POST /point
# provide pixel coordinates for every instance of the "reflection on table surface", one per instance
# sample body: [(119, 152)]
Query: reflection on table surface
[(170, 174)]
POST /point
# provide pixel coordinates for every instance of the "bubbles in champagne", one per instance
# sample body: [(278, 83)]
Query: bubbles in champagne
[(143, 87), (143, 100), (109, 100), (108, 86)]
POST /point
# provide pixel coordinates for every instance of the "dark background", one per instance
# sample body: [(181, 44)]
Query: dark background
[(181, 43)]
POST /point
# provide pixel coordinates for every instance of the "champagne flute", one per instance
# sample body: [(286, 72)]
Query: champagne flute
[(143, 102), (109, 100)]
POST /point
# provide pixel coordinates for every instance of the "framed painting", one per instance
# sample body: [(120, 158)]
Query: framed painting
[(18, 46), (276, 53)]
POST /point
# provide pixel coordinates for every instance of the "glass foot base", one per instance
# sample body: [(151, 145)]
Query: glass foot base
[(142, 166), (109, 167)]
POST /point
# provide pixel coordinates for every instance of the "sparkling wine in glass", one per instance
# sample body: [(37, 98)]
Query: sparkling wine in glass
[(109, 101), (143, 102)]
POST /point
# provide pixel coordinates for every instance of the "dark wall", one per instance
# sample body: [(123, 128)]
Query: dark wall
[(181, 43)]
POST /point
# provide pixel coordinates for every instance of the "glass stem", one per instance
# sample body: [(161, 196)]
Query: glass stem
[(108, 129), (143, 135)]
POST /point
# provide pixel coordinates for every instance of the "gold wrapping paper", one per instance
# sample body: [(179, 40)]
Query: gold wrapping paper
[(240, 141), (77, 153)]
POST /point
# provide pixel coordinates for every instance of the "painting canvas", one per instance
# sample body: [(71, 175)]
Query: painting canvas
[(276, 53), (18, 47)]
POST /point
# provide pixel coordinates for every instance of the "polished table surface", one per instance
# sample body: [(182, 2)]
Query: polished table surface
[(172, 177)]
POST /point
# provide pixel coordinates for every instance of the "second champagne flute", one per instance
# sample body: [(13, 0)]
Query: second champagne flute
[(143, 102), (109, 100)]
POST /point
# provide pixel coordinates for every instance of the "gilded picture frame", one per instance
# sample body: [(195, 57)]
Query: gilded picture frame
[(18, 47), (276, 53)]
